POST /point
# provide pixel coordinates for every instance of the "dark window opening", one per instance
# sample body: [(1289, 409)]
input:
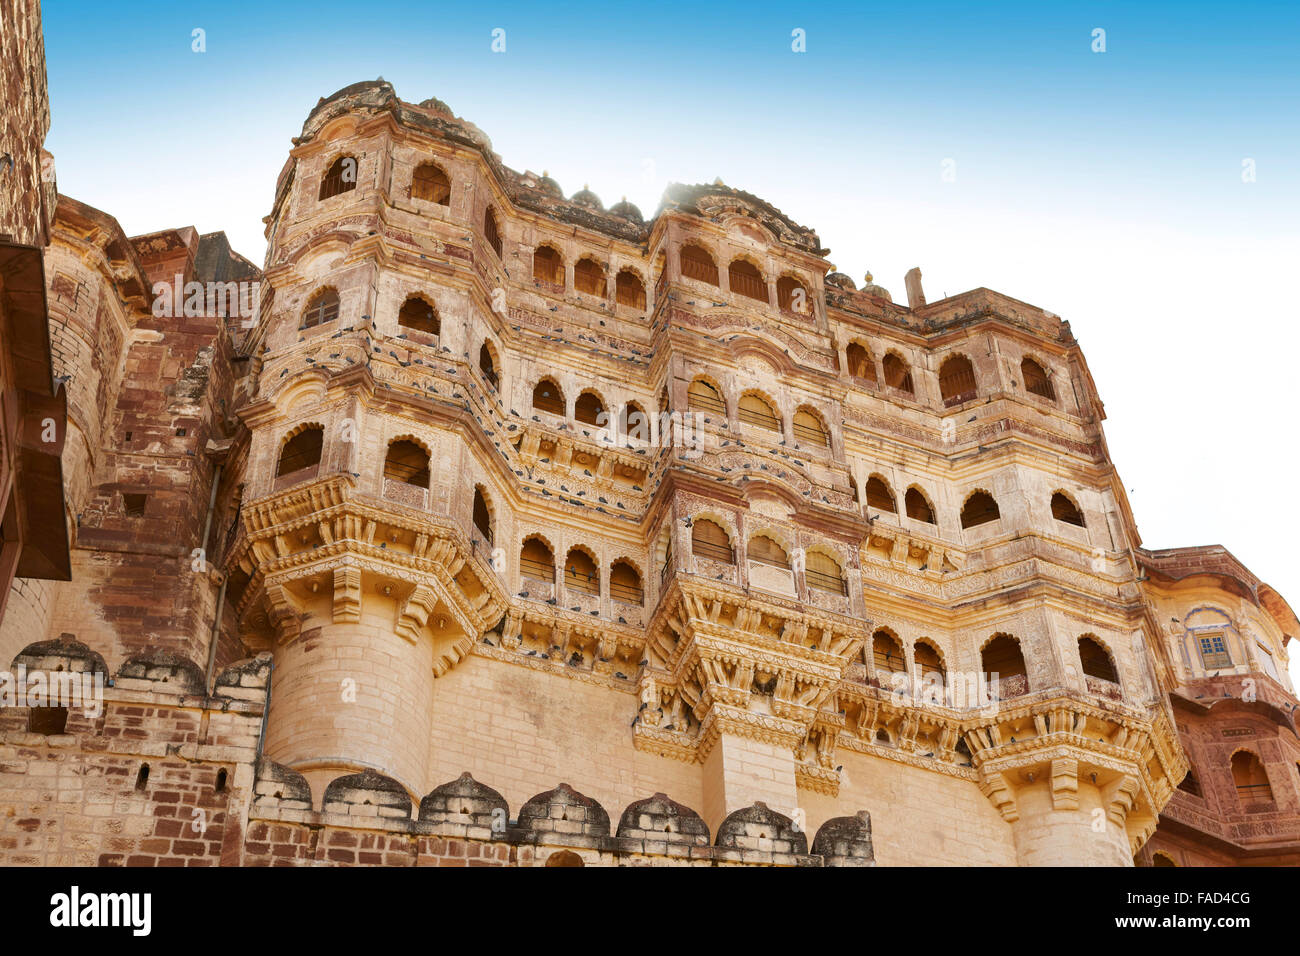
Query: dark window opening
[(322, 309), (419, 315), (301, 451), (407, 462), (709, 540), (339, 178), (980, 508), (431, 184)]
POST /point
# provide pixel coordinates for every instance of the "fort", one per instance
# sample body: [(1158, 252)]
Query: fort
[(678, 655)]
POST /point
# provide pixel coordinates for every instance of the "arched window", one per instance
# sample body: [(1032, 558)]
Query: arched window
[(1096, 660), (710, 540), (588, 409), (548, 267), (418, 314), (548, 398), (808, 428), (580, 572), (1157, 859), (928, 662), (536, 560), (791, 296), (823, 572), (589, 277), (1036, 380), (745, 279), (482, 516), (917, 507), (301, 451), (980, 508), (897, 374), (629, 289), (1189, 784), (887, 653), (339, 178), (1063, 509), (766, 551), (957, 380), (490, 231), (1250, 778), (861, 364), (703, 397), (625, 583), (322, 308), (880, 496), (698, 264), (754, 410), (634, 423), (1004, 663), (487, 366), (407, 462), (431, 184)]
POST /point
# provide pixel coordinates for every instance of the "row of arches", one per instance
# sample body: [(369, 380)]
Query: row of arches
[(1001, 655), (588, 277), (821, 571), (754, 408), (957, 378), (430, 183), (581, 571), (744, 278), (416, 314), (980, 507)]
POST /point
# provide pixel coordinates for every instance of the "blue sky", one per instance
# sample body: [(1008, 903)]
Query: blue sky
[(1106, 187)]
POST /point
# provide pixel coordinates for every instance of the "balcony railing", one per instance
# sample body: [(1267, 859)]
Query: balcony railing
[(406, 494), (1005, 688), (1103, 688), (769, 577), (627, 593), (537, 570), (714, 552), (296, 477)]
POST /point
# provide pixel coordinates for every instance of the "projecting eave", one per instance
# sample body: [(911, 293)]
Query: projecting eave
[(1215, 561)]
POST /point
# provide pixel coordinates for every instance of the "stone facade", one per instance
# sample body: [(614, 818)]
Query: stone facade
[(369, 573)]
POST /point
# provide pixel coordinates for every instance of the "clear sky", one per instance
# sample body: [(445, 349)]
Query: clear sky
[(1112, 188)]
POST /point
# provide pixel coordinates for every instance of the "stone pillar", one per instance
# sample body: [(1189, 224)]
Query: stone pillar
[(742, 770)]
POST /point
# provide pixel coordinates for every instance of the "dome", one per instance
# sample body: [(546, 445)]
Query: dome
[(585, 197), (627, 210), (870, 288), (436, 105), (549, 186), (840, 280)]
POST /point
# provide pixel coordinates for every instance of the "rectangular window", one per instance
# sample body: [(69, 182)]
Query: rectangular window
[(1214, 652)]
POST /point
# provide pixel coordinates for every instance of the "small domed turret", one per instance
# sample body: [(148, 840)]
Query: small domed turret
[(626, 210), (585, 197), (549, 186), (840, 281), (870, 288)]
